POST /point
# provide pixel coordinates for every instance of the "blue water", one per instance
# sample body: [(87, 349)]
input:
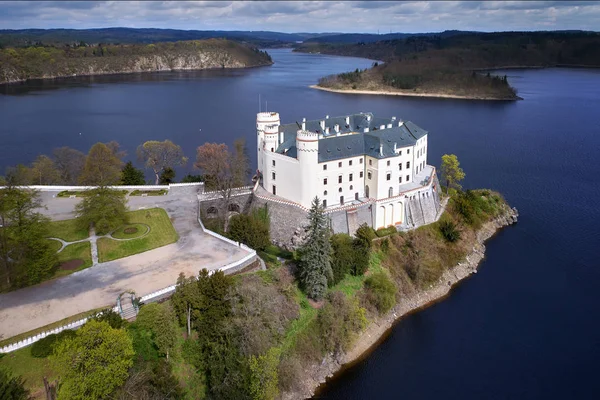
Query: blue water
[(525, 326)]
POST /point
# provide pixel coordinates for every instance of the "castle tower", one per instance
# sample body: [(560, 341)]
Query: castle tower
[(263, 120), (307, 144)]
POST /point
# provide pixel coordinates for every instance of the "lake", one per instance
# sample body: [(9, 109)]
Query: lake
[(525, 326)]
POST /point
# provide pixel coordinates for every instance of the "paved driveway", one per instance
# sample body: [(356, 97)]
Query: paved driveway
[(99, 286)]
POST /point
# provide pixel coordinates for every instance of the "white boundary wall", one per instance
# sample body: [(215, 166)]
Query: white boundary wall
[(51, 188)]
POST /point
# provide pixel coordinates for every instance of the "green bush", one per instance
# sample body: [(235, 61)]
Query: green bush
[(339, 321), (252, 230), (112, 317), (44, 347), (449, 230), (143, 344), (381, 291), (381, 232), (343, 256)]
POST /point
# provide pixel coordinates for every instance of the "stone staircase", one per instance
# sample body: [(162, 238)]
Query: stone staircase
[(128, 310)]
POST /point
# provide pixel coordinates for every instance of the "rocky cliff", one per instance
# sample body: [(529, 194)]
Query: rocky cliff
[(21, 64)]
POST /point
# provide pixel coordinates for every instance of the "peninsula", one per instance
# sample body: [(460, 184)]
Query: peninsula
[(19, 64), (453, 64)]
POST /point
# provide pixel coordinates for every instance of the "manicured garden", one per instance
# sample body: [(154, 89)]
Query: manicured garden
[(161, 233), (73, 258), (67, 230)]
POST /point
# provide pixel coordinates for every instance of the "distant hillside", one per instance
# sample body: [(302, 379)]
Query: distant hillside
[(446, 64), (19, 64), (348, 38), (32, 37)]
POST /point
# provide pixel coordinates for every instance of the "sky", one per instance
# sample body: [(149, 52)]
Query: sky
[(305, 16)]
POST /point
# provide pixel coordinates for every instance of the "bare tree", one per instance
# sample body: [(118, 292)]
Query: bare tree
[(69, 163)]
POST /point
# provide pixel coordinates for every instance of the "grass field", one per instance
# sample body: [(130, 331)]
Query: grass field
[(161, 233), (67, 230), (120, 233), (76, 251), (21, 363)]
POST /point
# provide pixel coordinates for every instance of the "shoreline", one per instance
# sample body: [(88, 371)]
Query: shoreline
[(411, 94), (379, 329), (109, 73)]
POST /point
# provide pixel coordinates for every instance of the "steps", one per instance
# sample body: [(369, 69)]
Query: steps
[(128, 310)]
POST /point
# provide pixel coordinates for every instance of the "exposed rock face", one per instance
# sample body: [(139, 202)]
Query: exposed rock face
[(319, 373), (45, 63)]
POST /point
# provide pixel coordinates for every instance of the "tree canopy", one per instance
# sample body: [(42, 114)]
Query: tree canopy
[(451, 172), (102, 165), (11, 387), (160, 320), (26, 256), (103, 207), (130, 175), (161, 155), (94, 363), (315, 254), (69, 164)]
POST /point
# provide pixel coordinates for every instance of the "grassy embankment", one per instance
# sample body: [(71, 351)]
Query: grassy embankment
[(18, 64), (449, 66), (161, 233)]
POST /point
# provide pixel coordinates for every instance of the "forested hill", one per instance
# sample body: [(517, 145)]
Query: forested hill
[(445, 63), (22, 63)]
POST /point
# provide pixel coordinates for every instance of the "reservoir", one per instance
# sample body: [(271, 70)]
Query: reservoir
[(525, 326)]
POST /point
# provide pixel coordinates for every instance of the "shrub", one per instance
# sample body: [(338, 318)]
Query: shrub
[(44, 347), (381, 232), (338, 321), (343, 256), (385, 245), (449, 230), (381, 291), (252, 230), (112, 317)]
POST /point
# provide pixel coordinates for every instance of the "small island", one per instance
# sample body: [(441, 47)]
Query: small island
[(18, 64), (453, 64)]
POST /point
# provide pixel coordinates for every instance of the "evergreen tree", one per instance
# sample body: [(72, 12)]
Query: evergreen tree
[(167, 176), (315, 254), (130, 175), (12, 388)]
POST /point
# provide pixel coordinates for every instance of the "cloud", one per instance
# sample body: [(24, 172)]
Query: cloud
[(305, 16)]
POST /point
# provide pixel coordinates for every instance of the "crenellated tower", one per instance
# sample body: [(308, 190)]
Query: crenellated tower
[(307, 144), (267, 128)]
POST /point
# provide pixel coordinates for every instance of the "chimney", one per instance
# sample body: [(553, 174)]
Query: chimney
[(322, 122), (280, 137), (389, 125), (336, 127), (348, 120), (366, 130), (381, 149), (382, 127), (327, 131), (327, 117), (368, 118), (393, 118), (395, 150), (400, 123), (303, 124)]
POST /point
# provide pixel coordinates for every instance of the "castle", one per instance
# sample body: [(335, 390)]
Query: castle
[(362, 168)]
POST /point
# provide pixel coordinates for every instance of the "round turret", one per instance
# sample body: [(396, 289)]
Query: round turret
[(307, 144), (264, 120)]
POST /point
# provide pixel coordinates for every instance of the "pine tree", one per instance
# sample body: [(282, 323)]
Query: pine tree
[(130, 175), (315, 255)]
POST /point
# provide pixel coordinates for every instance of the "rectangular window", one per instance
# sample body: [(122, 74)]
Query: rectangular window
[(370, 162), (389, 176), (350, 163), (340, 164), (273, 162), (388, 163), (273, 175), (324, 203), (400, 153), (369, 175), (399, 179), (361, 174), (407, 151), (408, 164), (274, 190), (400, 167), (340, 179), (407, 178), (360, 160), (324, 167), (342, 200), (325, 181), (350, 178)]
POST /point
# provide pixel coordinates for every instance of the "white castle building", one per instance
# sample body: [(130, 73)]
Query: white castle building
[(347, 162)]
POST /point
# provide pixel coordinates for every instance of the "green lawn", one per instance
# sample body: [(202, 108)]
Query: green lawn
[(76, 251), (121, 234), (67, 230), (32, 369), (161, 233)]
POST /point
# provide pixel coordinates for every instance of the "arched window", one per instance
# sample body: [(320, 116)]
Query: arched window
[(390, 192), (367, 191), (325, 193), (351, 187), (340, 190)]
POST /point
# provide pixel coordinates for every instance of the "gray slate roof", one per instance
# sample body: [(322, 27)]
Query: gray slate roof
[(333, 147)]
